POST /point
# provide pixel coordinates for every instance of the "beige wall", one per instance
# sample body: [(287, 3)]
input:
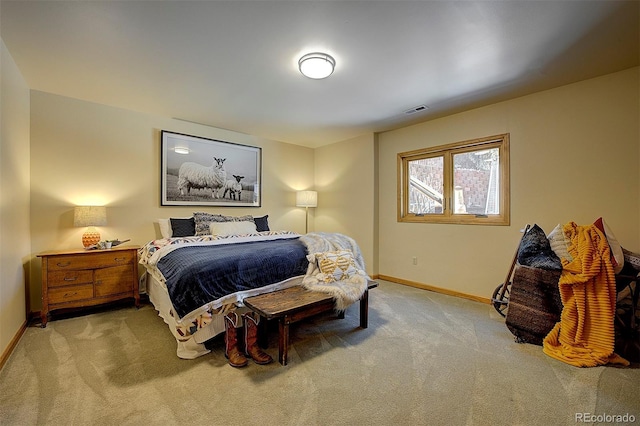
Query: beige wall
[(86, 153), (574, 157), (345, 176), (14, 197)]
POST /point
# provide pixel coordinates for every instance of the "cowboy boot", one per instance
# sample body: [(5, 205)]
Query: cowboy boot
[(231, 351), (251, 347)]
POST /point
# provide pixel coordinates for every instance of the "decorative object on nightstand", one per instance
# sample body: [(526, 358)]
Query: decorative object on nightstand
[(106, 245), (90, 216), (306, 199), (80, 278)]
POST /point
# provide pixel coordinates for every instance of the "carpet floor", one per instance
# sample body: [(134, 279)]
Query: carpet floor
[(426, 359)]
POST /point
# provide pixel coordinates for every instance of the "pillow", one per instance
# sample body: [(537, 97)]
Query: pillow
[(223, 229), (181, 227), (262, 223), (617, 256), (336, 265), (165, 227), (535, 251), (559, 243), (203, 220), (632, 259)]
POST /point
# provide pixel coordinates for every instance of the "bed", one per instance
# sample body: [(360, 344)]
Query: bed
[(205, 266)]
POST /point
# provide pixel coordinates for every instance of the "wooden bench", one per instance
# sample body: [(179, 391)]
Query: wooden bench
[(297, 303)]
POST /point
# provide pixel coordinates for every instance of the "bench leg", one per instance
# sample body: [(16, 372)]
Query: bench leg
[(283, 340), (364, 310), (262, 333)]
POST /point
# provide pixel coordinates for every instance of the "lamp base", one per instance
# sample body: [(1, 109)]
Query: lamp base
[(90, 238)]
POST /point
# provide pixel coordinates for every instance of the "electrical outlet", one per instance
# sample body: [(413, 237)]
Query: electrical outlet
[(415, 260)]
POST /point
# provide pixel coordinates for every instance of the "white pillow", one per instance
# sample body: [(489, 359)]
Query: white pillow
[(559, 243), (223, 229), (165, 228), (616, 248)]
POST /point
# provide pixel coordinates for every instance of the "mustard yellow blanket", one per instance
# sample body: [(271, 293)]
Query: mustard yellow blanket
[(585, 335)]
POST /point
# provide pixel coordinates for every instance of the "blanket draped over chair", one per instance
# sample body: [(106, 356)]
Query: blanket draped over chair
[(345, 291), (585, 335)]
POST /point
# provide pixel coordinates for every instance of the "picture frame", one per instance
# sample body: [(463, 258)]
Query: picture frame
[(198, 171)]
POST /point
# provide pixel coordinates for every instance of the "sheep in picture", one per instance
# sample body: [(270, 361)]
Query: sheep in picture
[(194, 175), (234, 187)]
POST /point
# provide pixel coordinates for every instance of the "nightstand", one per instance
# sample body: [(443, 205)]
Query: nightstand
[(80, 278)]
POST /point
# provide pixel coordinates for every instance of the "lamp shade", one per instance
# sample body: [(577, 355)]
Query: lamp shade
[(307, 199), (90, 216)]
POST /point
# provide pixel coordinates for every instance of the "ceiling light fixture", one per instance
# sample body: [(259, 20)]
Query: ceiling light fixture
[(316, 65)]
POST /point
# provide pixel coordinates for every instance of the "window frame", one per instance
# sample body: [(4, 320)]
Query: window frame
[(500, 141)]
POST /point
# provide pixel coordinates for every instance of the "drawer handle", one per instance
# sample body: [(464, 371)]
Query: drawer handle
[(63, 265), (120, 259), (70, 278), (70, 294)]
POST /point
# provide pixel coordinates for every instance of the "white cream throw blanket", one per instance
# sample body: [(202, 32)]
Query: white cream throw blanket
[(336, 267)]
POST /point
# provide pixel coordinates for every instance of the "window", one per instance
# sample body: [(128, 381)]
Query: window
[(465, 182)]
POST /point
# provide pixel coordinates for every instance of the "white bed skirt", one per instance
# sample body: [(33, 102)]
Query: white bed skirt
[(193, 346)]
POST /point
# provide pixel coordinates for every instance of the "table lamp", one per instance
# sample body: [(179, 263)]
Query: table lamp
[(90, 216)]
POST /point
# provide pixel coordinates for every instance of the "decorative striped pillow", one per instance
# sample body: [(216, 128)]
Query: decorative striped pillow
[(632, 258)]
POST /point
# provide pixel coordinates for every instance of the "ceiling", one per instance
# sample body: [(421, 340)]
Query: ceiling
[(233, 64)]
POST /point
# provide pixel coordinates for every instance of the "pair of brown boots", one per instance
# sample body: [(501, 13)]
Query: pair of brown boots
[(251, 349)]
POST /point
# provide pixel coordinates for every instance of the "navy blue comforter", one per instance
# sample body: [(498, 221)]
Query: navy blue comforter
[(197, 275)]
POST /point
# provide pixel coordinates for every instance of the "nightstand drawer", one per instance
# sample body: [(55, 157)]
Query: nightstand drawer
[(70, 294), (109, 281), (91, 260), (60, 278)]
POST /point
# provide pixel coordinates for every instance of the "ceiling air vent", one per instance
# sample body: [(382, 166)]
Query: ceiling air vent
[(419, 108)]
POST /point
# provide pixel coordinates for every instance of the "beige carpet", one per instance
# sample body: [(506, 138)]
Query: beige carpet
[(426, 359)]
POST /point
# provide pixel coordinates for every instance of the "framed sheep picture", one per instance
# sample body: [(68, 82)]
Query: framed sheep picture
[(197, 171)]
